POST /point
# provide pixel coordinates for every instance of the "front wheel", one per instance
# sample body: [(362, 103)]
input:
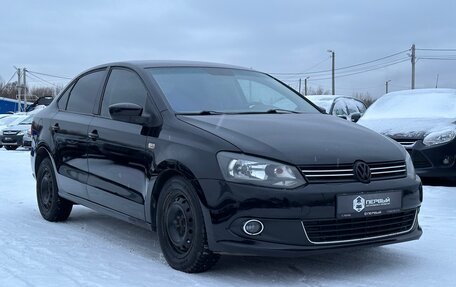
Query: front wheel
[(181, 229), (52, 206)]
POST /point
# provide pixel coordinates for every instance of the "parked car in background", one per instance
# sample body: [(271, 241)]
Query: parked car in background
[(12, 135), (10, 119), (345, 107), (220, 159), (424, 122)]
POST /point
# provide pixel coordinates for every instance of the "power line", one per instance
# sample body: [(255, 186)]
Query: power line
[(41, 79), (49, 75), (14, 74), (436, 58), (437, 50), (346, 67), (360, 72)]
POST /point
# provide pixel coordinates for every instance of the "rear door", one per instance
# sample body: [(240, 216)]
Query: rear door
[(117, 159), (69, 132)]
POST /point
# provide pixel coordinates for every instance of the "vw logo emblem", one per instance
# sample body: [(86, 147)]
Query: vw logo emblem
[(362, 172)]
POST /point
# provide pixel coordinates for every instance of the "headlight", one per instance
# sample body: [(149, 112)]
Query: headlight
[(21, 133), (439, 137), (409, 165), (248, 169)]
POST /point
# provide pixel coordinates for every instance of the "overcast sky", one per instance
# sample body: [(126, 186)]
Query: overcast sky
[(66, 37)]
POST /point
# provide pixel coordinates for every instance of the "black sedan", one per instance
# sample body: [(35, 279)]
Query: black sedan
[(220, 159), (423, 121)]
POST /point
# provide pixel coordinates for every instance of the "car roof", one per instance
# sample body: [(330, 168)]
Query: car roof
[(422, 92), (170, 63), (329, 97)]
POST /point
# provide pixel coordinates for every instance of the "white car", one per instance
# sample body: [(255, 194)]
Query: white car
[(345, 107), (9, 121)]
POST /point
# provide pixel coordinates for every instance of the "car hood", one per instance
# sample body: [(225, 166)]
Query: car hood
[(300, 139), (17, 128), (408, 128)]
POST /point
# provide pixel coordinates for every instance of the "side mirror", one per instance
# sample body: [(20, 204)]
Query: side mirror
[(321, 109), (355, 117), (132, 113)]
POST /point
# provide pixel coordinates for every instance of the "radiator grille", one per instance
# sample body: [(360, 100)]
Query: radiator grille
[(344, 172), (340, 230)]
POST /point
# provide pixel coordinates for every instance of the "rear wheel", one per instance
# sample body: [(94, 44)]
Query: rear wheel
[(11, 147), (181, 228), (52, 206)]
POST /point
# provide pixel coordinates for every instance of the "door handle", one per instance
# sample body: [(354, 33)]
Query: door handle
[(56, 127), (93, 135)]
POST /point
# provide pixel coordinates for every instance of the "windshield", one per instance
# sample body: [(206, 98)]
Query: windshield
[(194, 90), (414, 104)]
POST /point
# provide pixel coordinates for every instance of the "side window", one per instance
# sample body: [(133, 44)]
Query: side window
[(124, 86), (340, 109), (63, 100), (85, 92), (257, 93), (351, 105), (361, 107)]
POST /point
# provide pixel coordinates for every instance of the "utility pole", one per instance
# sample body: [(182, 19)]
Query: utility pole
[(437, 81), (386, 86), (300, 85), (24, 75), (333, 57), (19, 89), (413, 66), (305, 86)]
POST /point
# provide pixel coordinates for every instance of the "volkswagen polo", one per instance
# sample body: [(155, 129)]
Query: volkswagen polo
[(220, 159)]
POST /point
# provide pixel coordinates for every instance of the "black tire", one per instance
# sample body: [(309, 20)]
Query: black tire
[(11, 147), (52, 207), (181, 229)]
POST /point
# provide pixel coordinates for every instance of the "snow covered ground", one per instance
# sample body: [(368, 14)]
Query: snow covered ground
[(91, 249)]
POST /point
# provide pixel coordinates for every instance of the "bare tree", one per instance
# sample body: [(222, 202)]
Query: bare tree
[(366, 98)]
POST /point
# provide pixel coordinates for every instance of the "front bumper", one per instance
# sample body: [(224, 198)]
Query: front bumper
[(11, 140), (430, 161), (283, 212)]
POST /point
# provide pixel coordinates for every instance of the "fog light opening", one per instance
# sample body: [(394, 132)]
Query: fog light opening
[(253, 227), (447, 160)]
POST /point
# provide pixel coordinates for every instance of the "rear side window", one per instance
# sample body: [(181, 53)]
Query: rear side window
[(361, 107), (351, 105), (63, 100), (124, 86), (340, 109), (84, 93)]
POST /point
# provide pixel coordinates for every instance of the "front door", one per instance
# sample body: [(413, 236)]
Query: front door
[(117, 158)]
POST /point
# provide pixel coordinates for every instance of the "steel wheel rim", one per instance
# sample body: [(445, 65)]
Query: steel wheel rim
[(179, 224), (46, 190)]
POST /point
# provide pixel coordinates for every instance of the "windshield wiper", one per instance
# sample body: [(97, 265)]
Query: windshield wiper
[(281, 111), (202, 113)]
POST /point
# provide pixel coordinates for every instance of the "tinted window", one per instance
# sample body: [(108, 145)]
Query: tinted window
[(84, 93), (123, 86), (64, 99)]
